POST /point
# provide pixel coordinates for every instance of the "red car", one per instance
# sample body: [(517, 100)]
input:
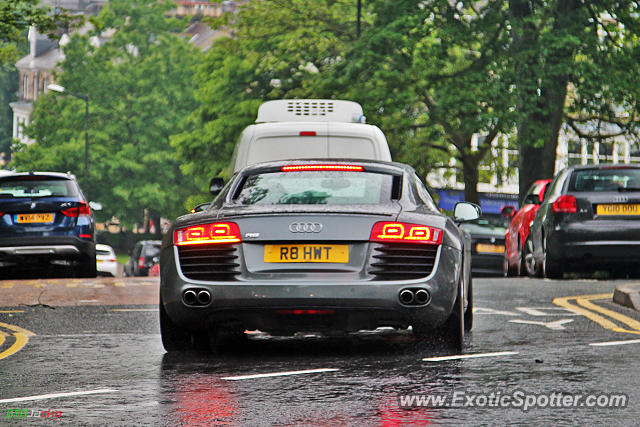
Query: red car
[(518, 257)]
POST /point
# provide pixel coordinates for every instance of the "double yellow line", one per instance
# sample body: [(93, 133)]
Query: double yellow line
[(587, 308), (21, 338)]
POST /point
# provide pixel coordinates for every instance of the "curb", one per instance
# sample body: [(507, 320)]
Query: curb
[(628, 296)]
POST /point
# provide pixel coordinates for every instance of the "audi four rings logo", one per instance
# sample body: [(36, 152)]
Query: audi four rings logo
[(305, 227)]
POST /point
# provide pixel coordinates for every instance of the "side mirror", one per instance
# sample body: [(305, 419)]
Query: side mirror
[(465, 211), (96, 206), (508, 211), (201, 207), (216, 185), (532, 199)]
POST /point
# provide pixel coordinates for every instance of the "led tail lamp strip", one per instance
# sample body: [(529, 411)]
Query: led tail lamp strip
[(389, 232), (213, 233), (345, 168)]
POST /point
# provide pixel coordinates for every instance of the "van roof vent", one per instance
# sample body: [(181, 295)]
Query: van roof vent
[(310, 110)]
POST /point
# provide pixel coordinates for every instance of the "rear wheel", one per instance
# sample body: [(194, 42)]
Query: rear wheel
[(173, 337), (531, 267), (507, 270), (468, 313), (454, 327), (86, 268), (551, 267)]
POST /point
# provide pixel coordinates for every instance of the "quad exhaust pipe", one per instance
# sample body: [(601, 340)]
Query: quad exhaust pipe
[(196, 297), (414, 296)]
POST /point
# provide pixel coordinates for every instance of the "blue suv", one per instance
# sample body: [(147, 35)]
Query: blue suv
[(45, 221)]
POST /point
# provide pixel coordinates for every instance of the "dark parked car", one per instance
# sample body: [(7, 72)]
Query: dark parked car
[(518, 255), (45, 221), (589, 220), (142, 257), (487, 244), (310, 246)]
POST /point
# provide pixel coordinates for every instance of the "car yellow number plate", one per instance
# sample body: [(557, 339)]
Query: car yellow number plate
[(307, 253), (46, 218), (489, 249), (618, 209)]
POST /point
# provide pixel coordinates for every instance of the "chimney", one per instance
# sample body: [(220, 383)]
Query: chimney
[(33, 37)]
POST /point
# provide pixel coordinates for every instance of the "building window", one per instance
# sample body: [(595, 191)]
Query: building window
[(36, 82), (25, 86)]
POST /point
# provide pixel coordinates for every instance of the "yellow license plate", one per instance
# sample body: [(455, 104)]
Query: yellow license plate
[(618, 209), (33, 218), (489, 249), (307, 253)]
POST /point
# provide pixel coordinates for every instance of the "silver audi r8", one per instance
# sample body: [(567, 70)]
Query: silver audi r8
[(331, 247)]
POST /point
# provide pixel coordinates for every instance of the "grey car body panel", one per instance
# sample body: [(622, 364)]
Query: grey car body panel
[(261, 288)]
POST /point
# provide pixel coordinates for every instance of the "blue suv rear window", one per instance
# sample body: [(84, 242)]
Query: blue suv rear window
[(16, 188)]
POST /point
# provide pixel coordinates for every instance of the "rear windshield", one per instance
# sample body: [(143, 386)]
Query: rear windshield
[(316, 188), (37, 188), (151, 251), (622, 179)]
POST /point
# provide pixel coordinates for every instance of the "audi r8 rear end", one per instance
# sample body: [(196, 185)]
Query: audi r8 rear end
[(310, 246)]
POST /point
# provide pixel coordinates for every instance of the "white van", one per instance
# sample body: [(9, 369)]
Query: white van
[(308, 129)]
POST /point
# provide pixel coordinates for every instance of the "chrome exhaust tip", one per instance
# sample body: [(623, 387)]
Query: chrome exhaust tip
[(406, 296), (189, 297), (422, 297), (204, 297)]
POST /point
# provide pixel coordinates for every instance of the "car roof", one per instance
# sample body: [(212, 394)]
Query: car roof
[(378, 165), (57, 175), (604, 166), (103, 247)]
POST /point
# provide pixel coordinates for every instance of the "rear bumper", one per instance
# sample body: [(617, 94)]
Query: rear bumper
[(596, 241), (348, 305), (44, 248)]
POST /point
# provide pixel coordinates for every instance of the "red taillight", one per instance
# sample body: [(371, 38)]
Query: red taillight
[(406, 233), (344, 168), (218, 232), (85, 236), (141, 262), (565, 204), (308, 133), (81, 210)]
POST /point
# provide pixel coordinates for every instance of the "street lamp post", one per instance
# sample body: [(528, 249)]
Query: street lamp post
[(85, 98)]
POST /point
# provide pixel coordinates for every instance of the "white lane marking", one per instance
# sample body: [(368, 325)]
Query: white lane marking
[(133, 309), (542, 311), (555, 326), (483, 310), (56, 395), (469, 356), (279, 374), (607, 343)]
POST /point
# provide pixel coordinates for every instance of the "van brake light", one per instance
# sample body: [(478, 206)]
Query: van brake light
[(345, 168)]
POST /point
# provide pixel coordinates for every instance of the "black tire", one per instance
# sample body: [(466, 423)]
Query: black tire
[(531, 267), (174, 338), (468, 313), (507, 270), (86, 268), (226, 336), (454, 327), (552, 269)]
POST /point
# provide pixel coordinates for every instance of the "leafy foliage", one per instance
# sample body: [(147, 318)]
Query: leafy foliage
[(140, 86)]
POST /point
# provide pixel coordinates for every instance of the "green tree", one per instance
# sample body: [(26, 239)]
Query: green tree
[(432, 74), (16, 16), (8, 88), (276, 47), (140, 85), (572, 61)]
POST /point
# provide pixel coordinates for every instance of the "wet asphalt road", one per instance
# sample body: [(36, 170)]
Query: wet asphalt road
[(115, 350)]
